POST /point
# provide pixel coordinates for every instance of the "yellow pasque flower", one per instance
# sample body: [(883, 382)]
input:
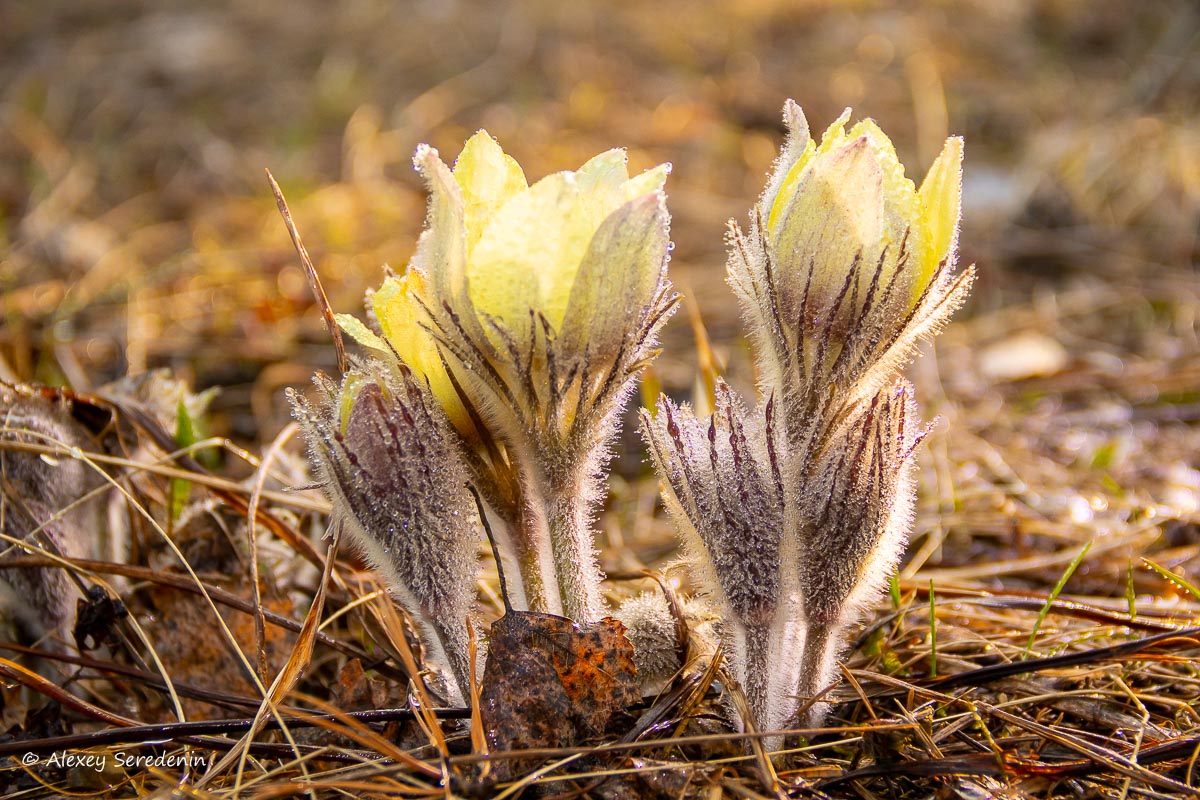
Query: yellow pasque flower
[(846, 266), (575, 249), (848, 198), (530, 309), (584, 251)]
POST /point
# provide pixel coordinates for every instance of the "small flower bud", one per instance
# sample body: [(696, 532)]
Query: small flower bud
[(381, 444), (723, 484), (47, 502), (855, 521)]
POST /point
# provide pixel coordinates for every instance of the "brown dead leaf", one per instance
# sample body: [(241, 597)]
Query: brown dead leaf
[(551, 682), (352, 691), (96, 618), (194, 650)]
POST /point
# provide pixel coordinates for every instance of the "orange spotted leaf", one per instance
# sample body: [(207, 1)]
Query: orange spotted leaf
[(551, 682)]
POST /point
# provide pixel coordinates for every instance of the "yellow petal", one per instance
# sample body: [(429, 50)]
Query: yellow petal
[(600, 183), (401, 318), (834, 135), (836, 215), (441, 250), (603, 173), (618, 277), (941, 205), (650, 181), (901, 209), (898, 190), (605, 185), (488, 178), (530, 253), (797, 145)]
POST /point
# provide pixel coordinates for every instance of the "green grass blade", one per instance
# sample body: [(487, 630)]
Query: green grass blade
[(1130, 593), (1174, 578), (932, 632), (1058, 587), (185, 436)]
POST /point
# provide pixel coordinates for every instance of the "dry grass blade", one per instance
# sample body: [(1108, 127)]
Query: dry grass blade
[(1028, 602), (198, 475), (708, 366), (260, 477), (533, 777), (286, 680), (182, 583), (1104, 759), (203, 730), (479, 743), (136, 676), (314, 280), (25, 677), (425, 710), (1186, 637), (351, 726), (754, 738)]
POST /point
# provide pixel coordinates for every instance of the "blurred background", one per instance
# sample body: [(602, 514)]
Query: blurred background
[(137, 229)]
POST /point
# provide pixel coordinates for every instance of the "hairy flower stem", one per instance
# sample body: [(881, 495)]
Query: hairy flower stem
[(772, 672), (571, 506), (546, 539), (817, 660), (446, 641), (532, 542), (757, 643)]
